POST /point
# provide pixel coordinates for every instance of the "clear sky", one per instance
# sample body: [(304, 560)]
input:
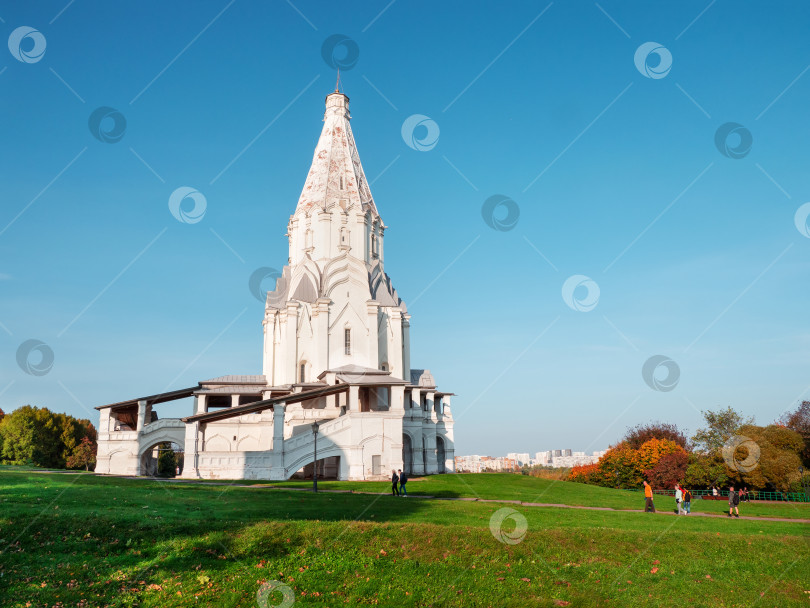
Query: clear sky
[(610, 156)]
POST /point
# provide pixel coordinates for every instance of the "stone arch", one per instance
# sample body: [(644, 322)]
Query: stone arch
[(248, 444), (217, 443), (407, 453), (149, 456), (441, 456), (299, 463)]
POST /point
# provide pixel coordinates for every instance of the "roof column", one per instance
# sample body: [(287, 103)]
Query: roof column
[(353, 404), (397, 400), (277, 455), (141, 415), (446, 413), (191, 450), (429, 412)]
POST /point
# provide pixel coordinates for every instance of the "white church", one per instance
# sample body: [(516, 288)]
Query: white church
[(336, 373)]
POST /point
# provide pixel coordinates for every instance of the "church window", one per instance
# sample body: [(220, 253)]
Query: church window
[(374, 248), (341, 182), (347, 341), (303, 372)]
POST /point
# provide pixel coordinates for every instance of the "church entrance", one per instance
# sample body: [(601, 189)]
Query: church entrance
[(407, 454), (440, 454)]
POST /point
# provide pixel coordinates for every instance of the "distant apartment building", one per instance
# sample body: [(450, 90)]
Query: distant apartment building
[(515, 460), (522, 459), (483, 464)]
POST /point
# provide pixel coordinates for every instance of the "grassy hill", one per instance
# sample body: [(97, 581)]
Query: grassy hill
[(81, 540)]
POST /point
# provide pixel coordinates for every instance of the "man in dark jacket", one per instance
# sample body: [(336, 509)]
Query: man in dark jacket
[(733, 502), (394, 481), (403, 479)]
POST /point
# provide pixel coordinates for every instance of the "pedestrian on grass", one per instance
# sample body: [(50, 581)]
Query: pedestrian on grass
[(678, 499), (403, 479), (687, 501), (714, 491), (745, 496), (733, 502), (649, 507), (394, 482)]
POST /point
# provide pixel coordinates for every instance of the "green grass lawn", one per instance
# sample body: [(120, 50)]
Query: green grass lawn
[(81, 540), (507, 486)]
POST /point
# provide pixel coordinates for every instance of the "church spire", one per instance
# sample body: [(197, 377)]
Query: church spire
[(336, 175)]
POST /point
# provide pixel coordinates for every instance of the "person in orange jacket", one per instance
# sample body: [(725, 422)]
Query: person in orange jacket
[(649, 507)]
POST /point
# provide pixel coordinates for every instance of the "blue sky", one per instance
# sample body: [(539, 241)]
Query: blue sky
[(616, 175)]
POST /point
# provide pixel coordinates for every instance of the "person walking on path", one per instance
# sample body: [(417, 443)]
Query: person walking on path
[(733, 502), (403, 479), (714, 491), (687, 501), (649, 507), (394, 481), (678, 499)]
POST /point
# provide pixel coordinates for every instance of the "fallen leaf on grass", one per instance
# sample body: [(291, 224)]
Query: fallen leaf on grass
[(654, 570)]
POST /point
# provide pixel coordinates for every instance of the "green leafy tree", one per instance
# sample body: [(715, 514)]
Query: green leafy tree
[(720, 427), (17, 430), (705, 471), (31, 435), (167, 462)]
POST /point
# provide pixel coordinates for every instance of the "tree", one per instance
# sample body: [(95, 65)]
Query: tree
[(32, 435), (798, 421), (623, 466), (768, 457), (705, 470), (17, 430), (670, 469), (83, 455), (167, 462), (720, 427), (641, 433), (584, 473)]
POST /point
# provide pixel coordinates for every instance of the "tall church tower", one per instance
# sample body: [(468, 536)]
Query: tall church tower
[(334, 305)]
